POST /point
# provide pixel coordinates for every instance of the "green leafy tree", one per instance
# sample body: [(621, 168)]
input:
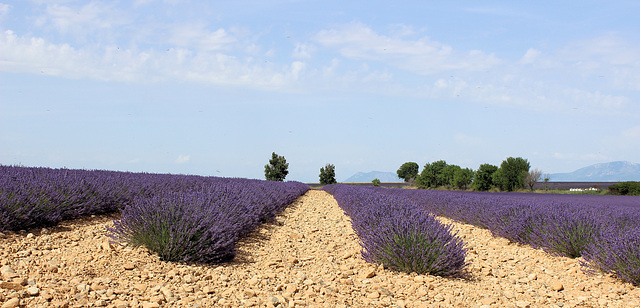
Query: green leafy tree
[(483, 178), (328, 175), (408, 171), (511, 174), (376, 182), (430, 175), (277, 169), (462, 178), (445, 177)]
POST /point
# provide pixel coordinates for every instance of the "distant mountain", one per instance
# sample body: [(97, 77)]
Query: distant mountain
[(617, 171), (369, 176)]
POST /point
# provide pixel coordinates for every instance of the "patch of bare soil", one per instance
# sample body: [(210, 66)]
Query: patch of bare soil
[(308, 257)]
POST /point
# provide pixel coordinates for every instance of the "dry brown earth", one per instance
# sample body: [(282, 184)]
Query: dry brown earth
[(308, 258)]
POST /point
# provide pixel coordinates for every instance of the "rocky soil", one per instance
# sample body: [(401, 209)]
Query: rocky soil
[(308, 257)]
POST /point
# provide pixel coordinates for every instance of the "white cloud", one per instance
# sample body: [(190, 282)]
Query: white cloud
[(182, 159), (303, 51), (89, 22), (4, 10), (196, 36), (422, 56), (530, 56)]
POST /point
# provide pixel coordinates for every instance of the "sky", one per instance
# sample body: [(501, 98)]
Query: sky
[(214, 87)]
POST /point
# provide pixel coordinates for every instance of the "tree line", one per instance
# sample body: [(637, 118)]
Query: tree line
[(514, 173)]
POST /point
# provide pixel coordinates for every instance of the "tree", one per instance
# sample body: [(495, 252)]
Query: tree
[(408, 171), (483, 179), (445, 177), (533, 177), (376, 182), (462, 178), (430, 175), (547, 177), (328, 175), (277, 169), (511, 174)]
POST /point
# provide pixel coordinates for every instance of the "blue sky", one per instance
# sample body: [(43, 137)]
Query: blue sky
[(214, 87)]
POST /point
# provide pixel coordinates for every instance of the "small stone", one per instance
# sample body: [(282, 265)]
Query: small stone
[(30, 235), (44, 231), (21, 281), (140, 287), (11, 303), (188, 279), (509, 294), (293, 260), (120, 303), (207, 290), (347, 255), (439, 297), (33, 291), (557, 286), (106, 246), (253, 281), (100, 303), (523, 304), (487, 301), (7, 272), (129, 266), (373, 295), (150, 305), (368, 273), (10, 286), (166, 292)]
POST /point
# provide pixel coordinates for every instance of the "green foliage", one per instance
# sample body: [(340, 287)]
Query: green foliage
[(328, 175), (430, 176), (626, 188), (511, 174), (277, 169), (446, 175), (462, 178), (376, 182), (408, 171), (483, 179)]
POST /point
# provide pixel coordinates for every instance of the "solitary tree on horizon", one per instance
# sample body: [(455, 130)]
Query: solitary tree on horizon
[(328, 174), (277, 169)]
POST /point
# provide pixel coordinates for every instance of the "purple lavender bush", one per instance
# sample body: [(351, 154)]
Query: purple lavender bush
[(398, 234), (203, 222), (37, 197), (615, 251)]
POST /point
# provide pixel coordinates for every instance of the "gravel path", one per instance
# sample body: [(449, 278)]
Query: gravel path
[(308, 257)]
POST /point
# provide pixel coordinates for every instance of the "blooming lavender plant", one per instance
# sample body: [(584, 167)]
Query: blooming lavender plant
[(615, 251), (395, 232), (202, 223)]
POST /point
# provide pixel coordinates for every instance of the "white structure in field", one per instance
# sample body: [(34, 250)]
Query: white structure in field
[(584, 189)]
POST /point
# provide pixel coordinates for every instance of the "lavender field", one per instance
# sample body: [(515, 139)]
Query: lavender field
[(603, 230), (179, 217)]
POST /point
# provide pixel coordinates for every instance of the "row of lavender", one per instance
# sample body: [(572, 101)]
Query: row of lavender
[(604, 230), (396, 232), (179, 217)]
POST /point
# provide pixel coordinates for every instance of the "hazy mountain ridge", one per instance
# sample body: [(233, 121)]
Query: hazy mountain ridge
[(369, 176), (617, 171)]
